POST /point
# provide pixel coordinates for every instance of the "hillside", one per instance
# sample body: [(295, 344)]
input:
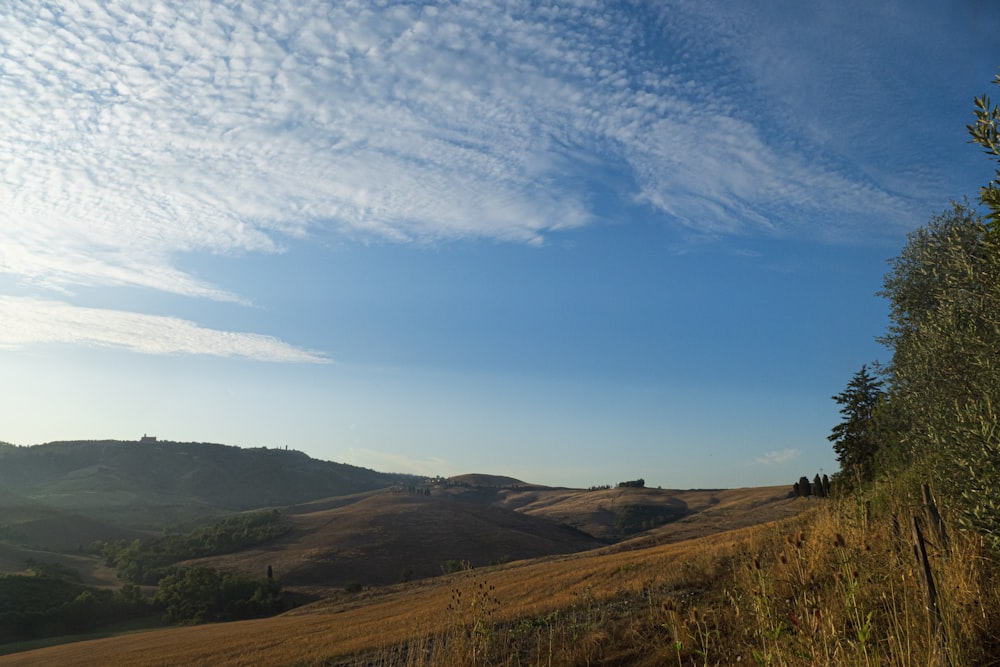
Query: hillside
[(612, 514), (345, 532), (385, 538), (588, 594), (819, 589), (394, 537), (61, 497), (151, 484)]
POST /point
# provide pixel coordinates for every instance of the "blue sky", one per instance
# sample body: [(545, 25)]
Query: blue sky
[(574, 242)]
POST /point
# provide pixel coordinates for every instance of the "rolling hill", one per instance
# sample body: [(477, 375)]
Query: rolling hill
[(589, 593), (353, 535), (153, 484), (392, 537)]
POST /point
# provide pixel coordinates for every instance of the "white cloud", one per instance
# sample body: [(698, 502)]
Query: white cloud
[(26, 321), (401, 463), (778, 457), (132, 133)]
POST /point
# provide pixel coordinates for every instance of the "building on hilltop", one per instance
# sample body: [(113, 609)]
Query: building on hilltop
[(147, 438)]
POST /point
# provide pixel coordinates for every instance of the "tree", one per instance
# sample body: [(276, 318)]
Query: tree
[(817, 486), (854, 438), (984, 133), (944, 377)]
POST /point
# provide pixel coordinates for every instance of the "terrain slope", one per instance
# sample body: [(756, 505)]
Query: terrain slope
[(373, 621)]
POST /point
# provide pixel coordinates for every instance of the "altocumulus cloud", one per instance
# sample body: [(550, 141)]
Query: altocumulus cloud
[(25, 321), (133, 132)]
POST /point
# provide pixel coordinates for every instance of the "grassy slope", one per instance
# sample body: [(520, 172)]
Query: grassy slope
[(372, 620), (385, 538), (833, 586), (156, 484), (704, 511), (353, 624)]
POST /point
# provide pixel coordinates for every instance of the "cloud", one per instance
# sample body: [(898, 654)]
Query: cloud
[(778, 457), (401, 463), (133, 134), (27, 321)]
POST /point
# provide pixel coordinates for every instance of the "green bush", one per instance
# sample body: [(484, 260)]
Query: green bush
[(204, 594)]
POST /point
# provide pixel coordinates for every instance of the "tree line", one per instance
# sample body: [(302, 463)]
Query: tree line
[(51, 600), (147, 561), (932, 411), (819, 487)]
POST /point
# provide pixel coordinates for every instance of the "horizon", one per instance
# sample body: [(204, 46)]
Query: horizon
[(563, 243), (148, 439)]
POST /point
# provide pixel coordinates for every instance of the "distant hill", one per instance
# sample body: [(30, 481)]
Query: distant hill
[(127, 480), (391, 537), (482, 480), (349, 525), (382, 538)]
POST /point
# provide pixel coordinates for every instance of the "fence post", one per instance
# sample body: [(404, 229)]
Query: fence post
[(939, 656), (934, 519)]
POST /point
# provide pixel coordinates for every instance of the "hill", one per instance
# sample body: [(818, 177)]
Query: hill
[(821, 588), (349, 526), (382, 538), (393, 537), (343, 529), (152, 484), (612, 514)]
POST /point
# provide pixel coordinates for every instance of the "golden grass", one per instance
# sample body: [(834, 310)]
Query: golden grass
[(318, 632), (834, 586)]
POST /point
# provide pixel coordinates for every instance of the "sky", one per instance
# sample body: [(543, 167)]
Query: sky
[(575, 243)]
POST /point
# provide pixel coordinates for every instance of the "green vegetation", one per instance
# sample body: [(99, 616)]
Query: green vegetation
[(52, 601), (44, 605), (638, 517), (203, 594), (143, 481), (146, 562), (984, 133), (939, 418), (854, 439), (933, 414)]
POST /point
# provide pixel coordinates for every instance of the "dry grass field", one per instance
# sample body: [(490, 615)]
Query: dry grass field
[(376, 621), (387, 538), (380, 618), (833, 583)]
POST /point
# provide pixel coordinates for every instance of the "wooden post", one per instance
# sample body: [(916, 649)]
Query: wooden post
[(934, 519), (939, 656)]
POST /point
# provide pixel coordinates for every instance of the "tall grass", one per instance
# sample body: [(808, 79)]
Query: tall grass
[(836, 586)]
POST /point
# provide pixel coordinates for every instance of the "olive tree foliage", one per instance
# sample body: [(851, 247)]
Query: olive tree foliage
[(944, 378), (984, 133)]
